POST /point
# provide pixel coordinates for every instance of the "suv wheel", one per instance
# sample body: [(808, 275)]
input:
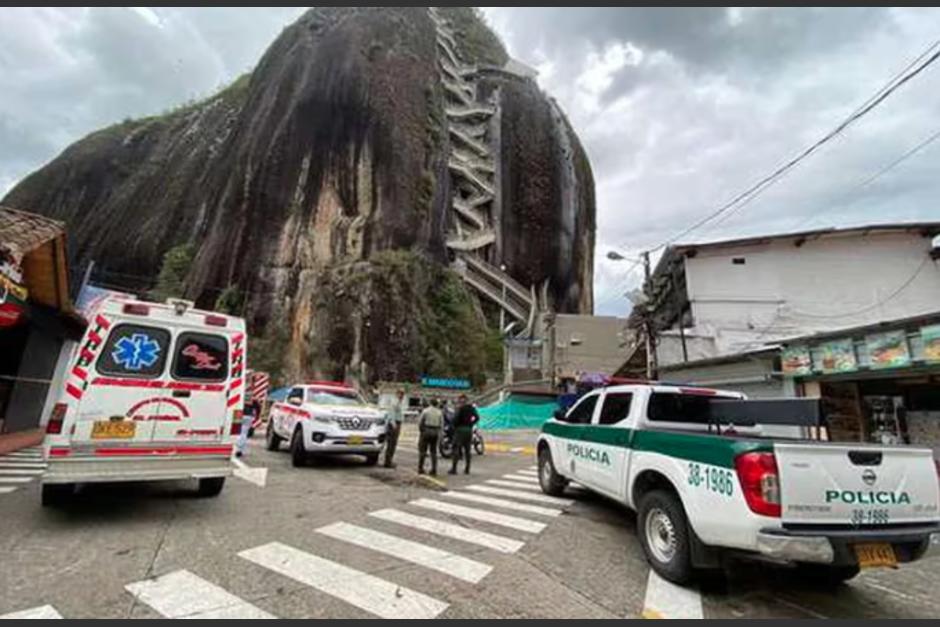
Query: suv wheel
[(298, 456), (272, 439), (550, 481), (372, 459), (664, 535)]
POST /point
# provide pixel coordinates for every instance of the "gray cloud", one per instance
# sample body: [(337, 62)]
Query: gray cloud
[(679, 109)]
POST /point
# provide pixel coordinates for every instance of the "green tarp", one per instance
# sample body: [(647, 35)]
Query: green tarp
[(517, 413)]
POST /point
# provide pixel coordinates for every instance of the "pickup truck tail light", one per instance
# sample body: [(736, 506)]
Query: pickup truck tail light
[(236, 422), (56, 418), (760, 482)]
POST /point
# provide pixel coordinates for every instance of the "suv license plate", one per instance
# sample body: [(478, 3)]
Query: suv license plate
[(354, 439), (875, 554)]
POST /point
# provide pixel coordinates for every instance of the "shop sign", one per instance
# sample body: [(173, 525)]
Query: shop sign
[(888, 350), (836, 356), (435, 382), (931, 337), (796, 361)]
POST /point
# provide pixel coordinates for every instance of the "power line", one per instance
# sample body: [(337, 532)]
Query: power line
[(744, 197)]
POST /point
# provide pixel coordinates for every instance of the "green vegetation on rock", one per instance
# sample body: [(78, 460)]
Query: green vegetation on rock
[(172, 278), (476, 40)]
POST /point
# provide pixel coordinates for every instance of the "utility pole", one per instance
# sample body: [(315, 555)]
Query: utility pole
[(651, 366)]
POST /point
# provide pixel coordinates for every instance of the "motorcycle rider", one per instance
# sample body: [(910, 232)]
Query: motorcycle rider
[(464, 420)]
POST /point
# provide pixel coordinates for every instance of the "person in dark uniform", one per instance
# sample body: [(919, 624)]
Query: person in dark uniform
[(464, 420)]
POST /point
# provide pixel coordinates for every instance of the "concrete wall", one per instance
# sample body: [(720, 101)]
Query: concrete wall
[(37, 368), (587, 343), (751, 375), (783, 290)]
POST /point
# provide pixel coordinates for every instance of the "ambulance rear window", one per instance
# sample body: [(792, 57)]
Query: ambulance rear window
[(133, 350), (201, 357)]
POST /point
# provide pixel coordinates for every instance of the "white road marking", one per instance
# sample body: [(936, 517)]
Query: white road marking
[(528, 473), (42, 612), (533, 467), (257, 476), (6, 463), (483, 515), (525, 496), (372, 594), (21, 471), (181, 594), (488, 500), (15, 479), (450, 530), (531, 480), (415, 552), (665, 599), (22, 455), (6, 490), (514, 485)]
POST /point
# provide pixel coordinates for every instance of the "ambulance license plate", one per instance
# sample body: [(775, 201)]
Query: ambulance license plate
[(113, 430), (354, 439), (875, 554)]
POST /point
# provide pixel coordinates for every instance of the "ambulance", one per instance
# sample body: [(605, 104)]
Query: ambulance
[(152, 392)]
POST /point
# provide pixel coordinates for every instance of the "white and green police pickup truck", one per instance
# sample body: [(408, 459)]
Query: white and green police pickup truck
[(711, 473)]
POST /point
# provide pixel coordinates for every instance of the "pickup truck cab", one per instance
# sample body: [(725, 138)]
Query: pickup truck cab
[(153, 391), (702, 488), (326, 418)]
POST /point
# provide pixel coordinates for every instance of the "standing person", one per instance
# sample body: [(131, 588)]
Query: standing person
[(396, 414), (247, 418), (464, 420), (429, 430)]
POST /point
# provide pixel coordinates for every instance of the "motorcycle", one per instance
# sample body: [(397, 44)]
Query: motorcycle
[(446, 444)]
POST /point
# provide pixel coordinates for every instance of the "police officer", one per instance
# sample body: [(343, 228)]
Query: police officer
[(429, 430), (464, 420), (396, 414)]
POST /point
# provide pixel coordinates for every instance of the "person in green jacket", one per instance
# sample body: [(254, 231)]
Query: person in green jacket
[(429, 430)]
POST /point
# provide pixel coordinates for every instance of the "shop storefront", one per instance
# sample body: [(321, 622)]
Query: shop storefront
[(878, 384)]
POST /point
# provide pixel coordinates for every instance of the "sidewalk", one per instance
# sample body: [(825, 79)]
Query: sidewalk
[(10, 442), (513, 441)]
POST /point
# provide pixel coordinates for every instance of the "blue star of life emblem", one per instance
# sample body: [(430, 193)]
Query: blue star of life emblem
[(136, 352)]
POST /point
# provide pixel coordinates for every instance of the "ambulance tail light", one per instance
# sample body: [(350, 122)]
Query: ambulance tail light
[(236, 422), (216, 321), (136, 309), (760, 482), (56, 418)]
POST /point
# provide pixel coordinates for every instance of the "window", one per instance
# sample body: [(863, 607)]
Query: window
[(616, 407), (296, 393), (201, 357), (583, 411), (332, 397), (134, 350), (666, 407)]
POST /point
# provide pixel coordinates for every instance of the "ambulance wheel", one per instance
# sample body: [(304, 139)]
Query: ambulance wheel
[(272, 439), (372, 459), (211, 486), (57, 494), (825, 574), (664, 535), (550, 481), (298, 456)]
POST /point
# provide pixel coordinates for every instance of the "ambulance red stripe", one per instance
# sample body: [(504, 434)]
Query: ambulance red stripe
[(73, 391), (102, 322), (164, 450)]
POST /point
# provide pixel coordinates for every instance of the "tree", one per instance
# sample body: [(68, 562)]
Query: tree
[(172, 278)]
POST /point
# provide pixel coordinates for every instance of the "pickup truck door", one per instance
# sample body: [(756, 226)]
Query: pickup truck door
[(610, 437), (570, 438)]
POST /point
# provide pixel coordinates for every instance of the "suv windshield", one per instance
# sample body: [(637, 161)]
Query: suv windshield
[(333, 397)]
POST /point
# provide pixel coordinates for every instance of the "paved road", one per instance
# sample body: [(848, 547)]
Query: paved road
[(344, 540)]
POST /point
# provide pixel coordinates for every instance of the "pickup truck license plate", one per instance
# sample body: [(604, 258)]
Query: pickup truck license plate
[(354, 439), (875, 554), (113, 430)]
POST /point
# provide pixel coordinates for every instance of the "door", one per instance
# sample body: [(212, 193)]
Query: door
[(611, 436), (193, 407), (123, 396), (574, 448), (286, 413)]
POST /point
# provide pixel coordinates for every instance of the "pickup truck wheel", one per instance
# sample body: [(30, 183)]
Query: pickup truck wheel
[(664, 535), (298, 456), (272, 439), (57, 494), (211, 486), (550, 481), (826, 575)]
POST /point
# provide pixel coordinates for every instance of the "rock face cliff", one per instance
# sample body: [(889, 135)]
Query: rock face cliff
[(329, 190)]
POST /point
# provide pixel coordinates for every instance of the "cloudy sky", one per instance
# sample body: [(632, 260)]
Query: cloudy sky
[(679, 109)]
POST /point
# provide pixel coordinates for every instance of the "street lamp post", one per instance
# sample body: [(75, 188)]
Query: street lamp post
[(502, 305)]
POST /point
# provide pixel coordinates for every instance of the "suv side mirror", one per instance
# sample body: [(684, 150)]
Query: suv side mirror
[(294, 400)]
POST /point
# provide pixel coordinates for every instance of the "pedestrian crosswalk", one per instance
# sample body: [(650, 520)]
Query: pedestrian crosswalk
[(20, 467), (441, 534)]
